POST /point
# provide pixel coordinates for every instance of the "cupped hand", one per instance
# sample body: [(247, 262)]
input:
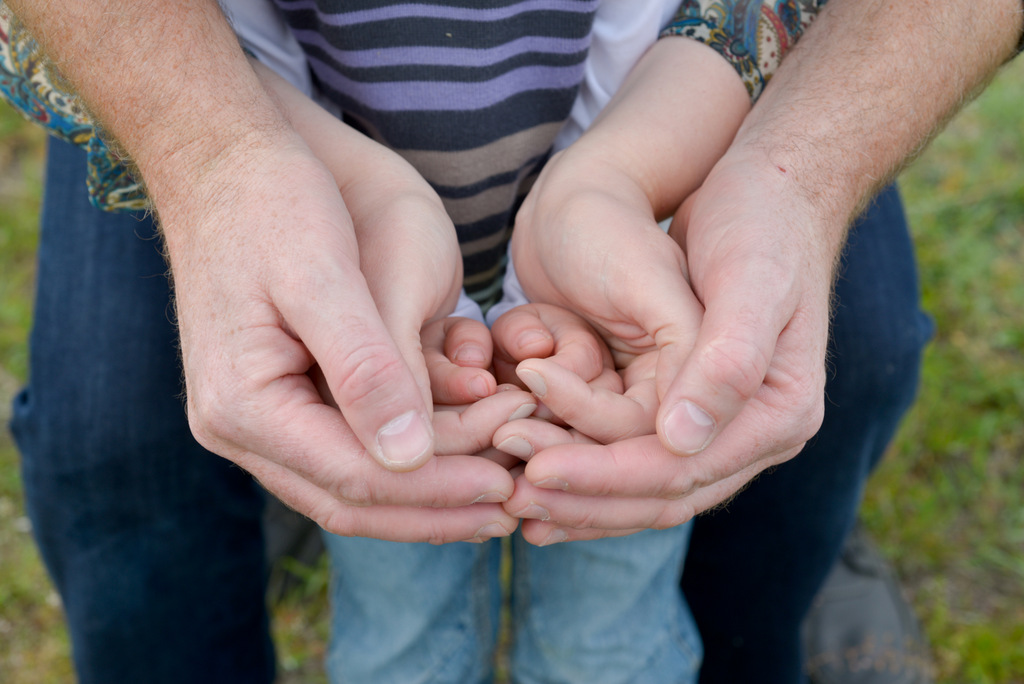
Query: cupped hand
[(747, 397), (562, 361), (269, 284), (586, 240)]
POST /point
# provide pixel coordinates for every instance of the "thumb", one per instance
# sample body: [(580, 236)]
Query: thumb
[(366, 372), (726, 368)]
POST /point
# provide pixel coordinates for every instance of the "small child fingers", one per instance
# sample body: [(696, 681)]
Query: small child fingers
[(468, 343), (456, 352), (521, 334), (524, 438), (578, 347), (535, 331), (600, 412), (506, 461), (470, 429)]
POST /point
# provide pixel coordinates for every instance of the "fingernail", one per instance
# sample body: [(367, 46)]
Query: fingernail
[(534, 381), (404, 440), (534, 511), (490, 531), (516, 446), (688, 428), (553, 483), (470, 354), (522, 412), (491, 497), (480, 387), (532, 337), (556, 536)]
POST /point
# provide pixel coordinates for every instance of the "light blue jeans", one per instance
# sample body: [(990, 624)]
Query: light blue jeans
[(601, 612)]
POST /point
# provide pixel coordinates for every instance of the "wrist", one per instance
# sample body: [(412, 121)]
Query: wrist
[(792, 183), (170, 89), (244, 200), (203, 169), (588, 166), (753, 209)]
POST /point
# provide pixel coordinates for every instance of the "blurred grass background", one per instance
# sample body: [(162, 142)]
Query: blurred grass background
[(947, 505)]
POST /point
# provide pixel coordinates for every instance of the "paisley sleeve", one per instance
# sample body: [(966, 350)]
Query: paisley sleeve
[(753, 35), (30, 83)]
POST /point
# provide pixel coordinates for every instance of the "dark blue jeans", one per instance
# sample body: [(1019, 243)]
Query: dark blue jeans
[(754, 566), (155, 545)]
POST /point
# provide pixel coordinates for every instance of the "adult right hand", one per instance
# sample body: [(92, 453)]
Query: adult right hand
[(267, 284), (267, 278)]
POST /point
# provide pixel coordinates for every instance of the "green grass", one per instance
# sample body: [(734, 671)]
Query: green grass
[(946, 505), (948, 502)]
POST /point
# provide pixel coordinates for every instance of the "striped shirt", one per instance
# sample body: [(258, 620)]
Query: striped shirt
[(470, 92)]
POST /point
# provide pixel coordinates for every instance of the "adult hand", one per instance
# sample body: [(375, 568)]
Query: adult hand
[(267, 284), (341, 300), (750, 393), (741, 370), (761, 236), (267, 278)]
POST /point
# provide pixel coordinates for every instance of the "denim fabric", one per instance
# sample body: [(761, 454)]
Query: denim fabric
[(604, 611), (153, 543), (601, 612), (754, 567)]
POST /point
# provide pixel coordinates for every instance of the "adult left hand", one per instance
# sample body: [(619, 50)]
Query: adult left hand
[(741, 344)]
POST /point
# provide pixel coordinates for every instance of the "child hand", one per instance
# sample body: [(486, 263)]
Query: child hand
[(469, 406), (545, 331), (566, 365), (457, 352)]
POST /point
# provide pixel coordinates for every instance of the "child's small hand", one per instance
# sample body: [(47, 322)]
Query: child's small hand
[(544, 331), (605, 414), (458, 352), (567, 366), (468, 404)]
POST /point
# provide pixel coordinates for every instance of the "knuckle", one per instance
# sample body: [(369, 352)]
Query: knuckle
[(688, 481), (353, 491), (438, 534), (364, 371), (813, 419), (208, 418), (806, 408), (736, 364), (587, 519), (337, 520)]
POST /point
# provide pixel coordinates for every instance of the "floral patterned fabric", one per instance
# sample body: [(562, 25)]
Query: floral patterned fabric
[(753, 35), (29, 82)]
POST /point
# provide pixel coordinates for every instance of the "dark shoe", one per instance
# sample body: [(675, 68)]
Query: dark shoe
[(860, 629)]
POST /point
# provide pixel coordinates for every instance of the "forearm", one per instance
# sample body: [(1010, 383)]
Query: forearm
[(867, 86), (169, 83), (670, 121)]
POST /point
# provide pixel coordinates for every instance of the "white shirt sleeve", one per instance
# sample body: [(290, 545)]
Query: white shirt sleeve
[(264, 32), (623, 30)]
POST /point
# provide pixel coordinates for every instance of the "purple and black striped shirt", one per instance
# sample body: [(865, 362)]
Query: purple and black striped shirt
[(471, 92)]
